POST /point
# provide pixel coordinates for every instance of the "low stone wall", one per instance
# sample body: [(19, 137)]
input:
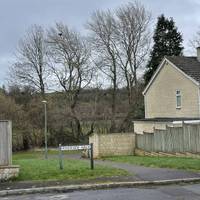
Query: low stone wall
[(140, 152), (113, 144), (8, 172)]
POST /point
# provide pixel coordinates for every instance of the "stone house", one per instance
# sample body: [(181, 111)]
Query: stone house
[(172, 96)]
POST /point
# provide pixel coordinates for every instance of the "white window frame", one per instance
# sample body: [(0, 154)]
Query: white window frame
[(178, 95)]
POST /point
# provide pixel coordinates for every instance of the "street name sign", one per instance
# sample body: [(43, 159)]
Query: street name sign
[(73, 148)]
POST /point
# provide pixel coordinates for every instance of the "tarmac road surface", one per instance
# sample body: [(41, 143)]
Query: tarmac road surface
[(171, 192)]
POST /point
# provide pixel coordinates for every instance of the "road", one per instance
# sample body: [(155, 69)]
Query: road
[(172, 192)]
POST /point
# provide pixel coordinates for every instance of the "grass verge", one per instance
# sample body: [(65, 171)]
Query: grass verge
[(162, 162), (34, 167)]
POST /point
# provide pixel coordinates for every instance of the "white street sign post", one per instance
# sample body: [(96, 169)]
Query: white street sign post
[(73, 148)]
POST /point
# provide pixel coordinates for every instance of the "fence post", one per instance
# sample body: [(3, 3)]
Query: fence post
[(5, 142), (60, 157), (91, 157)]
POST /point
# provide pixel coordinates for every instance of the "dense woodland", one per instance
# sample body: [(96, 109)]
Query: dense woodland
[(25, 108), (92, 83)]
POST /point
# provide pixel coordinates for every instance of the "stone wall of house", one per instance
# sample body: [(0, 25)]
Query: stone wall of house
[(113, 144), (8, 172)]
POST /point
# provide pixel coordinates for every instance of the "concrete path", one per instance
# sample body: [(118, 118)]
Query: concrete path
[(144, 173), (149, 173)]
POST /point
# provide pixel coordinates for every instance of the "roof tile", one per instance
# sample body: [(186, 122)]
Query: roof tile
[(189, 65)]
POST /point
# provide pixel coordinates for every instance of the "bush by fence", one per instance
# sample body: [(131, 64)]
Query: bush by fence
[(172, 140)]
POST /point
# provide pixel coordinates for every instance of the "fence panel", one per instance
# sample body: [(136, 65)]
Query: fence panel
[(148, 141), (158, 140), (198, 138), (172, 140)]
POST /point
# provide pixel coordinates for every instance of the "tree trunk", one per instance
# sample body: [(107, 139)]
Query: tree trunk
[(113, 106), (75, 124)]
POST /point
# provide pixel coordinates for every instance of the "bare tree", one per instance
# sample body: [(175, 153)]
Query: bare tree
[(101, 26), (121, 41), (132, 38), (195, 42), (31, 67), (70, 55)]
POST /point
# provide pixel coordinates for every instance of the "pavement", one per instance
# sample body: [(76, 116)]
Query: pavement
[(171, 192), (150, 174), (141, 173)]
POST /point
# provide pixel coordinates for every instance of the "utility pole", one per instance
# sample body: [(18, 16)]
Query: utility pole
[(45, 127)]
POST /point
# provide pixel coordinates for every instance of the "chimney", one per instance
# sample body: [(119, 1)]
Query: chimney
[(198, 54)]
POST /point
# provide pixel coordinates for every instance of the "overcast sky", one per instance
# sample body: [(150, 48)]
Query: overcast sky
[(16, 16)]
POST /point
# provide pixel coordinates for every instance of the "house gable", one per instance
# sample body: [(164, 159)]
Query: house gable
[(166, 61), (160, 94)]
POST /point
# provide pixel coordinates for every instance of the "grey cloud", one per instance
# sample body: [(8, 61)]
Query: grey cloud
[(16, 16)]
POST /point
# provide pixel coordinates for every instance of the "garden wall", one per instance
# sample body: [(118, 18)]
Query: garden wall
[(113, 144), (177, 141)]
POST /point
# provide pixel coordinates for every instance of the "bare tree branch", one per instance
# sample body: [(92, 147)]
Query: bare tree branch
[(71, 66), (195, 42), (132, 41), (30, 67), (101, 26)]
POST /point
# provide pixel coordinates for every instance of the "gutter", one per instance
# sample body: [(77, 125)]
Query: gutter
[(111, 185)]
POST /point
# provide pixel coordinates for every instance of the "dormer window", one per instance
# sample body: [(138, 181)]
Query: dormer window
[(178, 99)]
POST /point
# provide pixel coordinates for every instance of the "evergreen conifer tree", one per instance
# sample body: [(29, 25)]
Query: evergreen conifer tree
[(167, 42)]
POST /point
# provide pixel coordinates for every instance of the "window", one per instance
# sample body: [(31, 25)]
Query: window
[(178, 99)]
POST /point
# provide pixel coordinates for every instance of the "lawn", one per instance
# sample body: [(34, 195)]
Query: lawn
[(33, 166), (162, 162)]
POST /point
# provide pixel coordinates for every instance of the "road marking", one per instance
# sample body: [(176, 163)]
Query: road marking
[(60, 197)]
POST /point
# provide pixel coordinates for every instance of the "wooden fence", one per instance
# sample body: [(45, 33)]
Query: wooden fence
[(173, 139), (5, 143)]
